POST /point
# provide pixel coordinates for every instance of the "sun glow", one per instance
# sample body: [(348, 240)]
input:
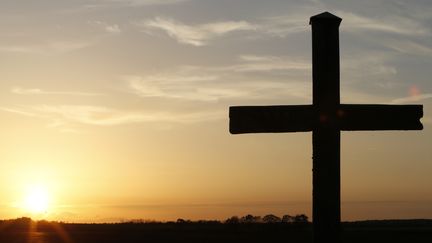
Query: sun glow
[(36, 200)]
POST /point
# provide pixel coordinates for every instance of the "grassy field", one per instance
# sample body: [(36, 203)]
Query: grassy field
[(208, 232)]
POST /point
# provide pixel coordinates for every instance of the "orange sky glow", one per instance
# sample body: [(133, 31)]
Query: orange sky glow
[(115, 110)]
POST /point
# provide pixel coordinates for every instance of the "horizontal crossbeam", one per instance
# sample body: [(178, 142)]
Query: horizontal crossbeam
[(305, 118), (380, 117), (271, 119)]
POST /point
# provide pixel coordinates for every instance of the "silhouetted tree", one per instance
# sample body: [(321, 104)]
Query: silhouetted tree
[(23, 222), (183, 221), (301, 218), (233, 220), (271, 218), (204, 221), (287, 219), (250, 219)]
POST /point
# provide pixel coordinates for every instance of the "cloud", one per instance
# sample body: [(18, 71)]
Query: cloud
[(388, 24), (54, 47), (136, 2), (396, 32), (222, 83), (374, 64), (61, 115), (23, 91), (110, 28), (412, 99), (253, 63), (17, 111), (185, 84), (200, 35), (197, 35), (113, 29), (102, 116), (181, 86), (283, 25), (409, 47)]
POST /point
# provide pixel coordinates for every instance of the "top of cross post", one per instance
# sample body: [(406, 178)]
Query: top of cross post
[(325, 17)]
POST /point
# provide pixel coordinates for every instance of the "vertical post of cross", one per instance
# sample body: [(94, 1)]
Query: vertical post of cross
[(326, 135)]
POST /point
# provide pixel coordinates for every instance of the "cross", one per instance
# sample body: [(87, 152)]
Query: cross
[(326, 117)]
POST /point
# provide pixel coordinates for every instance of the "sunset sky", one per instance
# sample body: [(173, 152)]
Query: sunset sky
[(118, 109)]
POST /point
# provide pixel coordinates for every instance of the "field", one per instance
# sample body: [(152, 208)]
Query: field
[(208, 232)]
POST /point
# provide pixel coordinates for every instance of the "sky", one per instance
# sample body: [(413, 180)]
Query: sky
[(118, 109)]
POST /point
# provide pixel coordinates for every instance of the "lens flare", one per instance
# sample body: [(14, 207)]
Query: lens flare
[(414, 92)]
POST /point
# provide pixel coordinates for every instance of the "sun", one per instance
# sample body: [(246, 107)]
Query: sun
[(36, 200)]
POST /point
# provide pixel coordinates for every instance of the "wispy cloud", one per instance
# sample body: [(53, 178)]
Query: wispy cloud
[(61, 115), (185, 84), (387, 24), (410, 47), (54, 47), (103, 116), (136, 2), (209, 84), (84, 6), (113, 29), (390, 29), (18, 111), (196, 35), (374, 64), (412, 99), (109, 28), (181, 86), (253, 63), (200, 35), (23, 91), (283, 25)]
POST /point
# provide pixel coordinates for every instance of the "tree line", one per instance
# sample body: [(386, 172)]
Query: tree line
[(251, 219), (247, 219)]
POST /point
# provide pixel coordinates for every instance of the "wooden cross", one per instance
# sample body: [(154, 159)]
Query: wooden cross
[(326, 117)]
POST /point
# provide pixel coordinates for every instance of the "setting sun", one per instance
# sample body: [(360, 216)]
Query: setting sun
[(36, 200)]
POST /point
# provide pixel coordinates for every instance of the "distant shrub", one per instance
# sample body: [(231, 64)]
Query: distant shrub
[(183, 221), (288, 219), (250, 219), (301, 218), (271, 218), (233, 220)]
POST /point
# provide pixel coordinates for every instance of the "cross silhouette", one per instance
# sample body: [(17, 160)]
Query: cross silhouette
[(326, 117)]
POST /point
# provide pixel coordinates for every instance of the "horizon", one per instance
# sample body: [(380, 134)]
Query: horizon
[(117, 110), (241, 220)]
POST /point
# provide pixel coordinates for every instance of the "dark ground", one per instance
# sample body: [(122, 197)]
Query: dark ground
[(366, 231)]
